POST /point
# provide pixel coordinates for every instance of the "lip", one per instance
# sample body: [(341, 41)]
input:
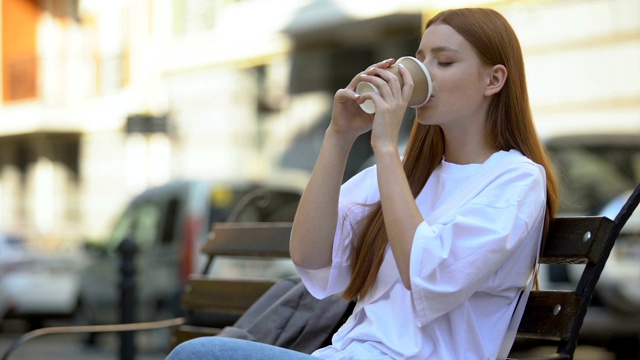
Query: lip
[(426, 103)]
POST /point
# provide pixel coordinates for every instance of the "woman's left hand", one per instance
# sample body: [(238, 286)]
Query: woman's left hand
[(391, 105)]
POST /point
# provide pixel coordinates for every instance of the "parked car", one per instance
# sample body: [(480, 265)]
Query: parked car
[(36, 286), (596, 173), (169, 224)]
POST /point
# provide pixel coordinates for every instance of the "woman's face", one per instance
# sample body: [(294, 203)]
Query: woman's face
[(459, 79)]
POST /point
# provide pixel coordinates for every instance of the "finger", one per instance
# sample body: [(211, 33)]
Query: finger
[(343, 95), (371, 70), (387, 83), (407, 88), (379, 89), (391, 79), (383, 64)]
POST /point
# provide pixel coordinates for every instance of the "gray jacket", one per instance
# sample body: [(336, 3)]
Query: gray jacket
[(287, 315)]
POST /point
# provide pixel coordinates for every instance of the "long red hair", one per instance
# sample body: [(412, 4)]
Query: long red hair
[(509, 123)]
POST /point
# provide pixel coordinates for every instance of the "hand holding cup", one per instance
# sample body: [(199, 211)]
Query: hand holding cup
[(422, 83)]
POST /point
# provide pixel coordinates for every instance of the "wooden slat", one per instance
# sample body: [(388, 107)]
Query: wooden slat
[(211, 302), (549, 315), (249, 239), (576, 240), (224, 296)]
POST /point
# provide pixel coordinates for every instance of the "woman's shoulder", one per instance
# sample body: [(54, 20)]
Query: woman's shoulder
[(514, 162), (515, 176), (512, 156)]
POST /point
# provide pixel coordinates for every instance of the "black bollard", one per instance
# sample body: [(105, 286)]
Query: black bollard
[(127, 250)]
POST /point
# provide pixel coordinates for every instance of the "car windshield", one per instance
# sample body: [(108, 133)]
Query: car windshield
[(592, 173), (140, 222), (14, 242), (11, 247)]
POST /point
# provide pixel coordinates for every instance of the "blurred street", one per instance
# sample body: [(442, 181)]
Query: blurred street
[(153, 120), (66, 347), (69, 347)]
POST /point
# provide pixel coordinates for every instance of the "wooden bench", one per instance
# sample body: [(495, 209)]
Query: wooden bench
[(556, 315), (549, 315), (211, 304)]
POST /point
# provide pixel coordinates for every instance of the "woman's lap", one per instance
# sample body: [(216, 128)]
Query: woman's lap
[(217, 347)]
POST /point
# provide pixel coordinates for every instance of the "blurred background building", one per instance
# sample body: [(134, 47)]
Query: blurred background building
[(102, 99)]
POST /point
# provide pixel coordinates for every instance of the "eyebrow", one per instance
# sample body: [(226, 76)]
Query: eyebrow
[(436, 50)]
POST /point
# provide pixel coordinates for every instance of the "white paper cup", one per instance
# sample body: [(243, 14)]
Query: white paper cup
[(422, 83)]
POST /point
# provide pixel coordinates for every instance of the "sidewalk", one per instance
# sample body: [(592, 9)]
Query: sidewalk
[(65, 347), (68, 347)]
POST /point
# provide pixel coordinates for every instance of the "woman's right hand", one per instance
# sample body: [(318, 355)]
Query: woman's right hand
[(347, 118)]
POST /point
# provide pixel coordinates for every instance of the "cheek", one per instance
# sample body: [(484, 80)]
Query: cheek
[(448, 81), (462, 86)]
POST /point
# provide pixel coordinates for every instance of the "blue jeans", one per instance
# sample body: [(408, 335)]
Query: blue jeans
[(216, 347)]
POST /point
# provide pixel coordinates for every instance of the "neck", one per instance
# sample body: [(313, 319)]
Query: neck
[(467, 146)]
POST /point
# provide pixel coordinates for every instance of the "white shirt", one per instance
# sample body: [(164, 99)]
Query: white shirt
[(467, 267)]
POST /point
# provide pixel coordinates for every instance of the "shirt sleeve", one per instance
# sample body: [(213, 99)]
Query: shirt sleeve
[(355, 196), (458, 255)]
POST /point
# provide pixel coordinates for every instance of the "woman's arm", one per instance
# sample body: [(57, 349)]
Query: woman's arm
[(488, 244), (401, 214), (316, 219)]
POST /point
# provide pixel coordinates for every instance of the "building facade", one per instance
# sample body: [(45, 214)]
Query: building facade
[(101, 100)]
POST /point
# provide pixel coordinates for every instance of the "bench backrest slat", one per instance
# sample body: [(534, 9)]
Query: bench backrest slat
[(549, 315), (552, 315), (576, 240), (204, 294), (215, 303), (559, 315), (249, 239)]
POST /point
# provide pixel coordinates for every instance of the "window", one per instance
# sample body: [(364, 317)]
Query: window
[(141, 222), (170, 220), (193, 16)]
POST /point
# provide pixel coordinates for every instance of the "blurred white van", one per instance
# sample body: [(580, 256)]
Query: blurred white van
[(170, 224)]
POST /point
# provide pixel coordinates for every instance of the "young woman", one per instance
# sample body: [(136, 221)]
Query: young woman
[(437, 245)]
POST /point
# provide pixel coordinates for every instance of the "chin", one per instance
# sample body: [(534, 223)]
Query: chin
[(424, 118)]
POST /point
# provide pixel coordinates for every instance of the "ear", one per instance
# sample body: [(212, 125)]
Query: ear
[(496, 78)]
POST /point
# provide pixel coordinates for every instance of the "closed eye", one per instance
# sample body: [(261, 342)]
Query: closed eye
[(444, 64)]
